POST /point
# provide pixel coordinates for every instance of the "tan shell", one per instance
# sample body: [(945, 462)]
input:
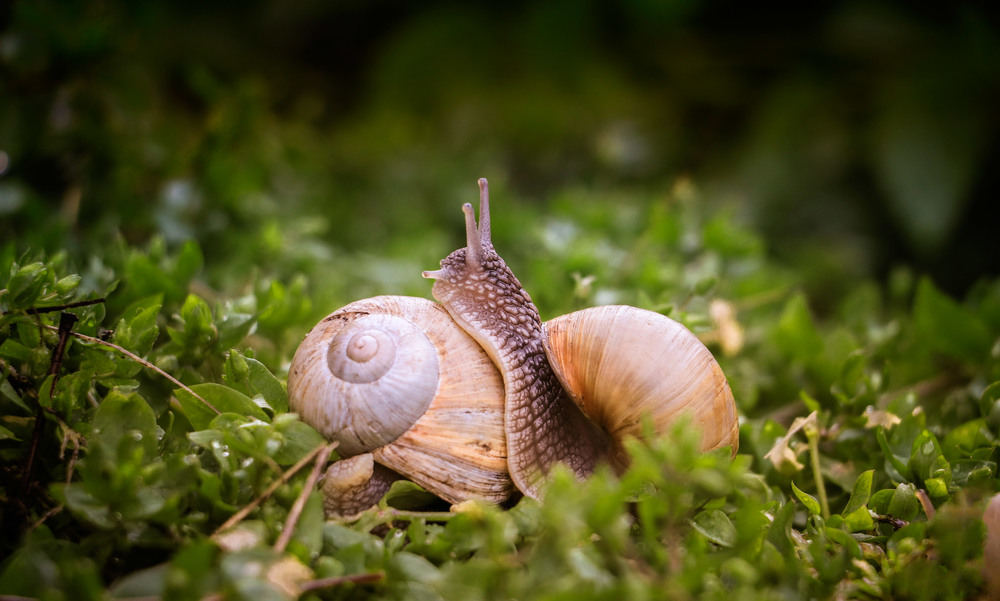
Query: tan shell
[(620, 363), (439, 412)]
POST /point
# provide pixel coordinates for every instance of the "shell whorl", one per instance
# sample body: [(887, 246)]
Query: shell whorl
[(369, 376)]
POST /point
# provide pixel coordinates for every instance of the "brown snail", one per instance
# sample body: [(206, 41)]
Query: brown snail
[(488, 397)]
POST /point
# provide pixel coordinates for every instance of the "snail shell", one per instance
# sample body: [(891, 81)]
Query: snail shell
[(622, 365), (395, 377)]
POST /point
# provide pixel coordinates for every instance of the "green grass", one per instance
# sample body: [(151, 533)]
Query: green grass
[(868, 434)]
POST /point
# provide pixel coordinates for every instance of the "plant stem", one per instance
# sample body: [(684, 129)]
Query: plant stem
[(812, 434), (293, 514), (285, 477), (143, 362), (321, 583)]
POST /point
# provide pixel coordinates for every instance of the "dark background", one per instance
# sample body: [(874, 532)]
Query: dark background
[(855, 136)]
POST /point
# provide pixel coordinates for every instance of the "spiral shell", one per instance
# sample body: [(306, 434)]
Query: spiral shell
[(621, 364), (396, 377)]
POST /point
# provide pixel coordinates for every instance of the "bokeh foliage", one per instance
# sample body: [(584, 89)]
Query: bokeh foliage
[(197, 184)]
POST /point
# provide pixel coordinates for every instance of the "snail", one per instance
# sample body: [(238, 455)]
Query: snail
[(476, 398)]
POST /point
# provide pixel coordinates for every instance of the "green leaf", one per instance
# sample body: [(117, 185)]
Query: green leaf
[(812, 505), (898, 463), (121, 415), (936, 487), (189, 262), (858, 520), (25, 285), (926, 456), (10, 394), (966, 438), (222, 400), (715, 526), (137, 329), (196, 316), (903, 504), (948, 327), (861, 493), (251, 377), (6, 434), (845, 540), (234, 327), (299, 439), (13, 349)]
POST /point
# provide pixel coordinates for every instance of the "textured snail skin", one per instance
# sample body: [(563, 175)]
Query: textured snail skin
[(354, 484), (542, 425)]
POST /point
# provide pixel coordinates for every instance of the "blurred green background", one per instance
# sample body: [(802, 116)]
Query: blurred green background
[(338, 139)]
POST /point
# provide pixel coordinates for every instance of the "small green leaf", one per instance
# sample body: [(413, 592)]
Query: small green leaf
[(858, 520), (936, 487), (67, 285), (222, 400), (903, 504), (6, 434), (10, 394), (25, 285), (121, 415), (251, 377), (812, 505), (860, 494), (300, 439), (189, 262), (926, 457), (137, 329), (12, 349), (196, 314), (965, 438), (845, 540), (901, 467), (716, 527)]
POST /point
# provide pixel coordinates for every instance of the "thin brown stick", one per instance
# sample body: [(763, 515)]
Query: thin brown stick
[(320, 583), (66, 323), (306, 587), (285, 477), (296, 511), (48, 514), (925, 503), (144, 363), (76, 305)]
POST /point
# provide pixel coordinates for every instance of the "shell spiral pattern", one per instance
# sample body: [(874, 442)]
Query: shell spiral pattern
[(372, 361)]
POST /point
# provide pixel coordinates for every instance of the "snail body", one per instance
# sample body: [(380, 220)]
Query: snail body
[(512, 397)]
